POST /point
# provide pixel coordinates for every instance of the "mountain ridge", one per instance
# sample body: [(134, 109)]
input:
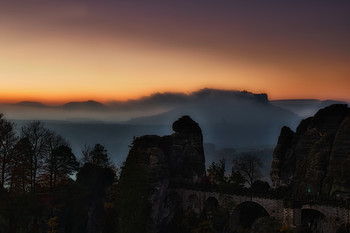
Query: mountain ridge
[(166, 101)]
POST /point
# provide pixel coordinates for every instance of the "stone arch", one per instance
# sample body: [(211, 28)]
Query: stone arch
[(216, 214), (210, 206), (244, 215), (313, 219), (193, 203)]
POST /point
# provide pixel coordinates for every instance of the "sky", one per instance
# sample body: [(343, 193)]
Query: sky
[(60, 51)]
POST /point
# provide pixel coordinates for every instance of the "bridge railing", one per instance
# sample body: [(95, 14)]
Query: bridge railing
[(230, 190), (284, 194)]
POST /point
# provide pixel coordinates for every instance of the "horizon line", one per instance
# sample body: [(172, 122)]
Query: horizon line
[(64, 101)]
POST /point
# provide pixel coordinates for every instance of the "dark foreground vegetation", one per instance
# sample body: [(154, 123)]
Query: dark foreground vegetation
[(45, 188)]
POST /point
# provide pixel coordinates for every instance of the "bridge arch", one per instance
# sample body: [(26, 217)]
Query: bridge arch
[(313, 219), (210, 207), (244, 215)]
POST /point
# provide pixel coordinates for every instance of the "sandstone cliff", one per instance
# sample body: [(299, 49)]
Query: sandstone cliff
[(316, 158), (164, 161)]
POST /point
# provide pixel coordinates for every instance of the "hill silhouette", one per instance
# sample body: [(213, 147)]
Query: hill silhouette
[(85, 105), (135, 110), (33, 104)]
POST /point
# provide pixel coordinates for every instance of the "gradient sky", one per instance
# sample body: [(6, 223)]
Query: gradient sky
[(58, 51)]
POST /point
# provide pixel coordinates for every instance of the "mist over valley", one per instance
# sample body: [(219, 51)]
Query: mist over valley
[(232, 122)]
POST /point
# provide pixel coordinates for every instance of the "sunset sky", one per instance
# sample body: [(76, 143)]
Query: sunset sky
[(59, 51)]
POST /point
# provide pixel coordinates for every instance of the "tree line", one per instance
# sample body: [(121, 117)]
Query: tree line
[(45, 188), (245, 173), (37, 159)]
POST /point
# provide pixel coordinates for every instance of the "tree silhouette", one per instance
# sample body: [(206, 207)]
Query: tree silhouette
[(97, 156), (216, 172), (20, 170), (51, 159), (236, 179), (61, 164), (38, 136), (41, 158), (249, 167), (7, 141)]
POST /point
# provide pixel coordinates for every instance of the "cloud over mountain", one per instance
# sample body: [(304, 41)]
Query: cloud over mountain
[(229, 118)]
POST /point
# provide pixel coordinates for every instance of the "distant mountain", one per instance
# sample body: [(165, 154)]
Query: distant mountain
[(304, 107), (230, 118), (166, 100), (31, 104), (159, 103), (85, 105)]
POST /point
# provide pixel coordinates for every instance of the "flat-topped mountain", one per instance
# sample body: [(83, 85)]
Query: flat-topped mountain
[(316, 158)]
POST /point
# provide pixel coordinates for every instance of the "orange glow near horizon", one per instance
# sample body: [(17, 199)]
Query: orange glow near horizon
[(57, 74)]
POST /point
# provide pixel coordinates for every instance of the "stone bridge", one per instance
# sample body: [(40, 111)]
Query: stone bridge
[(322, 218)]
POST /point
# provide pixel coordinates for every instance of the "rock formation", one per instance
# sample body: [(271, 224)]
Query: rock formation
[(316, 158), (168, 160)]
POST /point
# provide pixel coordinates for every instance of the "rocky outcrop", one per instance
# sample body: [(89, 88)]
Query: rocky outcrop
[(316, 158), (281, 161), (180, 156), (168, 160)]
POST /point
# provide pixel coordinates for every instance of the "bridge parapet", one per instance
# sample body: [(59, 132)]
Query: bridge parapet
[(334, 216), (195, 200)]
